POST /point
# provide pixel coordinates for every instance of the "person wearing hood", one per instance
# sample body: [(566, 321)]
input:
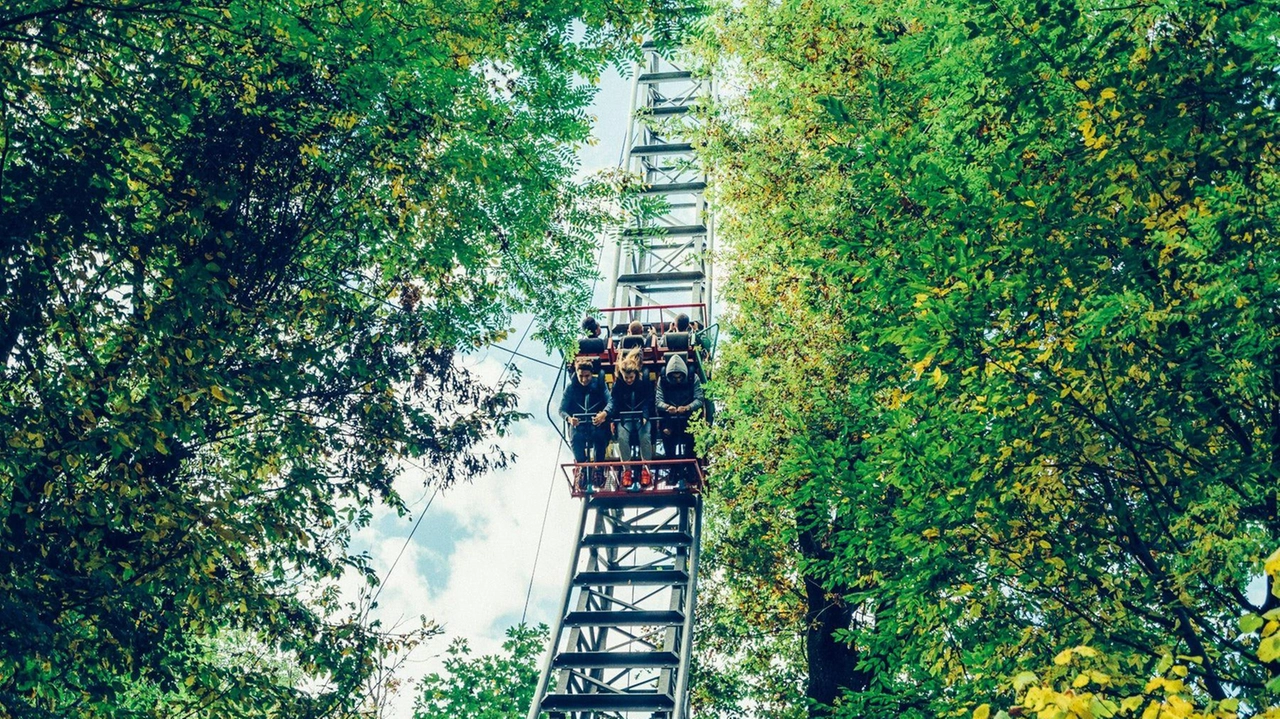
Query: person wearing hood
[(633, 392), (587, 395), (679, 396)]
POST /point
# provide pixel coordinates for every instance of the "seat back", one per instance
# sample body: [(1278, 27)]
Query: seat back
[(631, 342), (591, 346), (678, 341)]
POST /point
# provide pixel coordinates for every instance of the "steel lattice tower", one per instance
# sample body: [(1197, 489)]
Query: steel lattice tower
[(665, 256), (622, 643)]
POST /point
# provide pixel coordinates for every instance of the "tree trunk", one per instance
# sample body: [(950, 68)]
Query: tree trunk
[(832, 664)]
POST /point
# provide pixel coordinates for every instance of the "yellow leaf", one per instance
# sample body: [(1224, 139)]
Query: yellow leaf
[(922, 365), (1081, 680), (217, 393), (1269, 648), (1063, 658), (1272, 565), (1023, 680), (982, 712), (1128, 704), (1108, 93), (939, 379), (1083, 84)]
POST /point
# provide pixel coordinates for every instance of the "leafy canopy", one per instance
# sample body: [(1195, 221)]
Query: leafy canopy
[(243, 242), (493, 686), (1005, 278)]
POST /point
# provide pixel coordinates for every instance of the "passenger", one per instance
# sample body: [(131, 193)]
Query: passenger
[(632, 392), (591, 327), (634, 329), (679, 396), (680, 325), (587, 395)]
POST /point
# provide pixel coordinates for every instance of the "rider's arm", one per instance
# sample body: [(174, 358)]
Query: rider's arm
[(566, 403), (658, 400), (698, 396), (608, 398)]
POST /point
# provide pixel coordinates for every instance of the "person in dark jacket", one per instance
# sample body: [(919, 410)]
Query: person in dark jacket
[(632, 392), (679, 397), (586, 394)]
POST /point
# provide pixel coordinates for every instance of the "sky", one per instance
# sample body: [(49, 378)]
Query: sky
[(470, 563)]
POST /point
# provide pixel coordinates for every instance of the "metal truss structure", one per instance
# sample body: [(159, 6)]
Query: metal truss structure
[(664, 257), (622, 643)]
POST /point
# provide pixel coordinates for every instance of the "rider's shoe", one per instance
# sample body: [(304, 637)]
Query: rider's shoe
[(646, 479), (626, 479)]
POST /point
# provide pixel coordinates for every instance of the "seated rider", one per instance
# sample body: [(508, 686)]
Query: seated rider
[(678, 397), (633, 393), (587, 396), (682, 324), (590, 327), (636, 330)]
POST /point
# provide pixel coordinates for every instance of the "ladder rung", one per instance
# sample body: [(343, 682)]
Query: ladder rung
[(653, 78), (605, 702), (632, 577), (665, 148), (646, 499), (673, 188), (638, 539), (615, 660), (660, 231), (657, 278), (627, 618), (662, 110)]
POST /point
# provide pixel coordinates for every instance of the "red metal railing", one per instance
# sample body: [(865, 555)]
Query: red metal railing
[(700, 315), (667, 473)]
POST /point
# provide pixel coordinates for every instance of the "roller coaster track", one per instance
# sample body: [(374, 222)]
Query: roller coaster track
[(622, 641)]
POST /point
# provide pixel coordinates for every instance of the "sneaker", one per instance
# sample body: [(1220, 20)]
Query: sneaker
[(626, 478), (597, 478), (646, 479)]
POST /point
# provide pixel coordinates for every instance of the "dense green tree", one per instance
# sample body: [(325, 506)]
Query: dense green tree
[(1005, 376), (493, 686), (241, 243)]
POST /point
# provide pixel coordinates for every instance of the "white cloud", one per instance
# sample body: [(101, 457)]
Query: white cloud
[(469, 565), (494, 523)]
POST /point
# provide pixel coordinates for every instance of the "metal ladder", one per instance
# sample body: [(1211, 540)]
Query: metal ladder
[(665, 256), (623, 640)]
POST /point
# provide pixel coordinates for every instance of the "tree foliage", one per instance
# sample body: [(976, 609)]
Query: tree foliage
[(242, 243), (1005, 376), (494, 686)]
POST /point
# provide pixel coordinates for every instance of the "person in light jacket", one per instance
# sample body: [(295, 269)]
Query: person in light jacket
[(633, 392)]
